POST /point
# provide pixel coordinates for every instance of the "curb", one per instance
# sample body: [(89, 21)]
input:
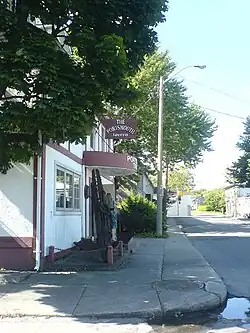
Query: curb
[(153, 315)]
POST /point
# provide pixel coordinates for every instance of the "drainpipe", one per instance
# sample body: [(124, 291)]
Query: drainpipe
[(38, 212), (42, 205), (82, 203), (38, 162), (34, 244)]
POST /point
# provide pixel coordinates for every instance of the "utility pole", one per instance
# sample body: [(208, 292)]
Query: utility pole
[(159, 162), (160, 148)]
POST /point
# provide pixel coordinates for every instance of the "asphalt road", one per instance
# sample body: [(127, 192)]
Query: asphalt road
[(225, 244)]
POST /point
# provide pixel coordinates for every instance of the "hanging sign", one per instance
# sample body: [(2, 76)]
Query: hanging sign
[(120, 129)]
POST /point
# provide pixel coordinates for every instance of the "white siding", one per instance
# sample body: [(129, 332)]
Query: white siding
[(144, 186), (87, 146), (99, 143), (65, 145), (76, 149), (147, 186), (16, 202), (181, 209), (61, 228)]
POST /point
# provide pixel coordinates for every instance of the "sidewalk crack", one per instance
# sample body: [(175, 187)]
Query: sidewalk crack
[(77, 303), (159, 299), (163, 262)]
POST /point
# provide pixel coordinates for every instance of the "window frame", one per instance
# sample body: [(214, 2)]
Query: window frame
[(74, 174), (104, 142), (110, 149)]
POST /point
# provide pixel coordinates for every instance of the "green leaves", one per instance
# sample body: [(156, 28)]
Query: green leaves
[(138, 214), (187, 128), (239, 173), (55, 79), (180, 179), (215, 200)]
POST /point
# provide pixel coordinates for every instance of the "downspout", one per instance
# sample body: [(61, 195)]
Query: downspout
[(38, 162), (42, 206), (82, 203), (35, 209), (37, 172), (86, 209)]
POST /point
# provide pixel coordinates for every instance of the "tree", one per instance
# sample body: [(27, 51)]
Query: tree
[(180, 179), (239, 173), (45, 90), (187, 128), (196, 194), (215, 200)]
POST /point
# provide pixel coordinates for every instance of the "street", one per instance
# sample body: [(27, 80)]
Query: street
[(225, 245)]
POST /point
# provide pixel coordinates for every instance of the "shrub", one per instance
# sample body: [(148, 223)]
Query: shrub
[(215, 200), (138, 215), (203, 208)]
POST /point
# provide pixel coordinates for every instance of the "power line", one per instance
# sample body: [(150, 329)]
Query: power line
[(203, 107), (218, 91), (223, 113)]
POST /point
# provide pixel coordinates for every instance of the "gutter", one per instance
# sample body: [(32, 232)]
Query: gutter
[(36, 220)]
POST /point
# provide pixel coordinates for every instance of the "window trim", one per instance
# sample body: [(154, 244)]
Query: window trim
[(60, 210), (110, 148), (93, 136)]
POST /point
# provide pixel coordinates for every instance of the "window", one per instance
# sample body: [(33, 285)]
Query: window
[(67, 190)]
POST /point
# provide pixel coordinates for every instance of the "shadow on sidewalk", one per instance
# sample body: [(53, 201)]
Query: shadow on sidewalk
[(73, 294), (70, 294)]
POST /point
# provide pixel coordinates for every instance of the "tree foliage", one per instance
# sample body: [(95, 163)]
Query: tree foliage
[(181, 179), (196, 194), (187, 128), (55, 78), (239, 172), (215, 200), (137, 214)]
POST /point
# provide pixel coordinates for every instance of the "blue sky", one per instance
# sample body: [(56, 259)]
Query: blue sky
[(214, 33)]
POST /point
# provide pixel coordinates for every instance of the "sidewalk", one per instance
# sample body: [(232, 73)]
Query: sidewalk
[(163, 277)]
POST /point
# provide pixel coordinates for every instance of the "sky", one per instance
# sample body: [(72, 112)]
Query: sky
[(214, 33)]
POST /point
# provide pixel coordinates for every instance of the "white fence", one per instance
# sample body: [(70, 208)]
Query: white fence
[(243, 206)]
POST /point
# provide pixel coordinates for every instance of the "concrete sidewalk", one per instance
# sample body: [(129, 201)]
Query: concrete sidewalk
[(163, 277)]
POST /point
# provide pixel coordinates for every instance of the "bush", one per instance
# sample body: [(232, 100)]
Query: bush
[(203, 208), (215, 200), (138, 215)]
